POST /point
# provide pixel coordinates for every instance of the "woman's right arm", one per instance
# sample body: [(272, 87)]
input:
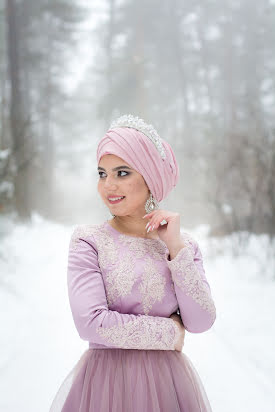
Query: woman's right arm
[(92, 317), (180, 342)]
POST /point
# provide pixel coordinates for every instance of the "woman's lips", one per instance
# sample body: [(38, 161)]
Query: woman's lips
[(116, 201)]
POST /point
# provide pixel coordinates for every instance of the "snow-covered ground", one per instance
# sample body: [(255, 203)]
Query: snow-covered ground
[(39, 343)]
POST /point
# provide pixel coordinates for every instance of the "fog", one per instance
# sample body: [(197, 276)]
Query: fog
[(203, 74)]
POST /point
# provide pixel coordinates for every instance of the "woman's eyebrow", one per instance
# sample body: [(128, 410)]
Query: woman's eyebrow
[(115, 168)]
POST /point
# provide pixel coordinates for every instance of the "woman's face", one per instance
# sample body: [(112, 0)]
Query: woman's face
[(124, 181)]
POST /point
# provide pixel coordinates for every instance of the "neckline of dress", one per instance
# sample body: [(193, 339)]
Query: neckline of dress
[(132, 237)]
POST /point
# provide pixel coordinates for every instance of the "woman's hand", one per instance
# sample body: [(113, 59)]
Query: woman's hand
[(179, 344), (169, 233)]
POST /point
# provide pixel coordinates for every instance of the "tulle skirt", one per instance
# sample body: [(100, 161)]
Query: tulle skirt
[(131, 380)]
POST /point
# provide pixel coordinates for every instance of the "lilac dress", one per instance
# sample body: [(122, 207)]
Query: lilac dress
[(122, 290)]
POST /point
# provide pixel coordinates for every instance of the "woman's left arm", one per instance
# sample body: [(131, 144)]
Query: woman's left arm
[(197, 308)]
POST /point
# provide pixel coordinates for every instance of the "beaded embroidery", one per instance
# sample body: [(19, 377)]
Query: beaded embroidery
[(144, 332), (152, 287), (140, 247), (188, 278), (121, 277), (119, 266), (79, 232), (120, 270)]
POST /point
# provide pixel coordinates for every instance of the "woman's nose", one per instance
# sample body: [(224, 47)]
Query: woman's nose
[(110, 182)]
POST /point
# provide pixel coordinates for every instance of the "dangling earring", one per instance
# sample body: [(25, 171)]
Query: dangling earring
[(151, 204)]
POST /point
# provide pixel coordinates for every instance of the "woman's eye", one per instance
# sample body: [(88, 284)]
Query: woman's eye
[(120, 171)]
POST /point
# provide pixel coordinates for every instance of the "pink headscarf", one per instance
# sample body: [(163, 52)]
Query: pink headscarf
[(160, 175)]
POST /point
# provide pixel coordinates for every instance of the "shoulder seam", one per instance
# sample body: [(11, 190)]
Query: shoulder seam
[(82, 232)]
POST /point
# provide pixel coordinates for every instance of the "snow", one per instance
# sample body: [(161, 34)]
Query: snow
[(40, 345), (4, 154)]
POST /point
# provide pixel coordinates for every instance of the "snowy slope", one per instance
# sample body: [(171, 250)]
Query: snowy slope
[(39, 343)]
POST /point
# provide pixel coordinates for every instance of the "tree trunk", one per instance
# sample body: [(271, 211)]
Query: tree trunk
[(18, 124)]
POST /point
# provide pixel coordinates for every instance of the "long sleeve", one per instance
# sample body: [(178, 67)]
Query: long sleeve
[(92, 317), (197, 308)]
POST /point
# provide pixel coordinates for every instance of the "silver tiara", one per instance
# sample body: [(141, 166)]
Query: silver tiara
[(128, 120)]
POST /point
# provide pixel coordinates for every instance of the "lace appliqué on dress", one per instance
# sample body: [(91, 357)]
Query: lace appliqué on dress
[(141, 247), (143, 333), (120, 270), (152, 287), (187, 277), (79, 233), (120, 274), (121, 279)]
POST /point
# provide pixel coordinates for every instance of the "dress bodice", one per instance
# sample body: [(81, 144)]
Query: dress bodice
[(123, 289)]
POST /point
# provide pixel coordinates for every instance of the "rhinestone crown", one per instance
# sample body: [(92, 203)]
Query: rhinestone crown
[(128, 120)]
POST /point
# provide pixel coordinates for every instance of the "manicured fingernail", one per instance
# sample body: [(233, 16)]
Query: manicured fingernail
[(149, 228), (147, 225), (153, 227), (144, 216)]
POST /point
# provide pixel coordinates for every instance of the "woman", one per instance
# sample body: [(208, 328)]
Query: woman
[(127, 278)]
